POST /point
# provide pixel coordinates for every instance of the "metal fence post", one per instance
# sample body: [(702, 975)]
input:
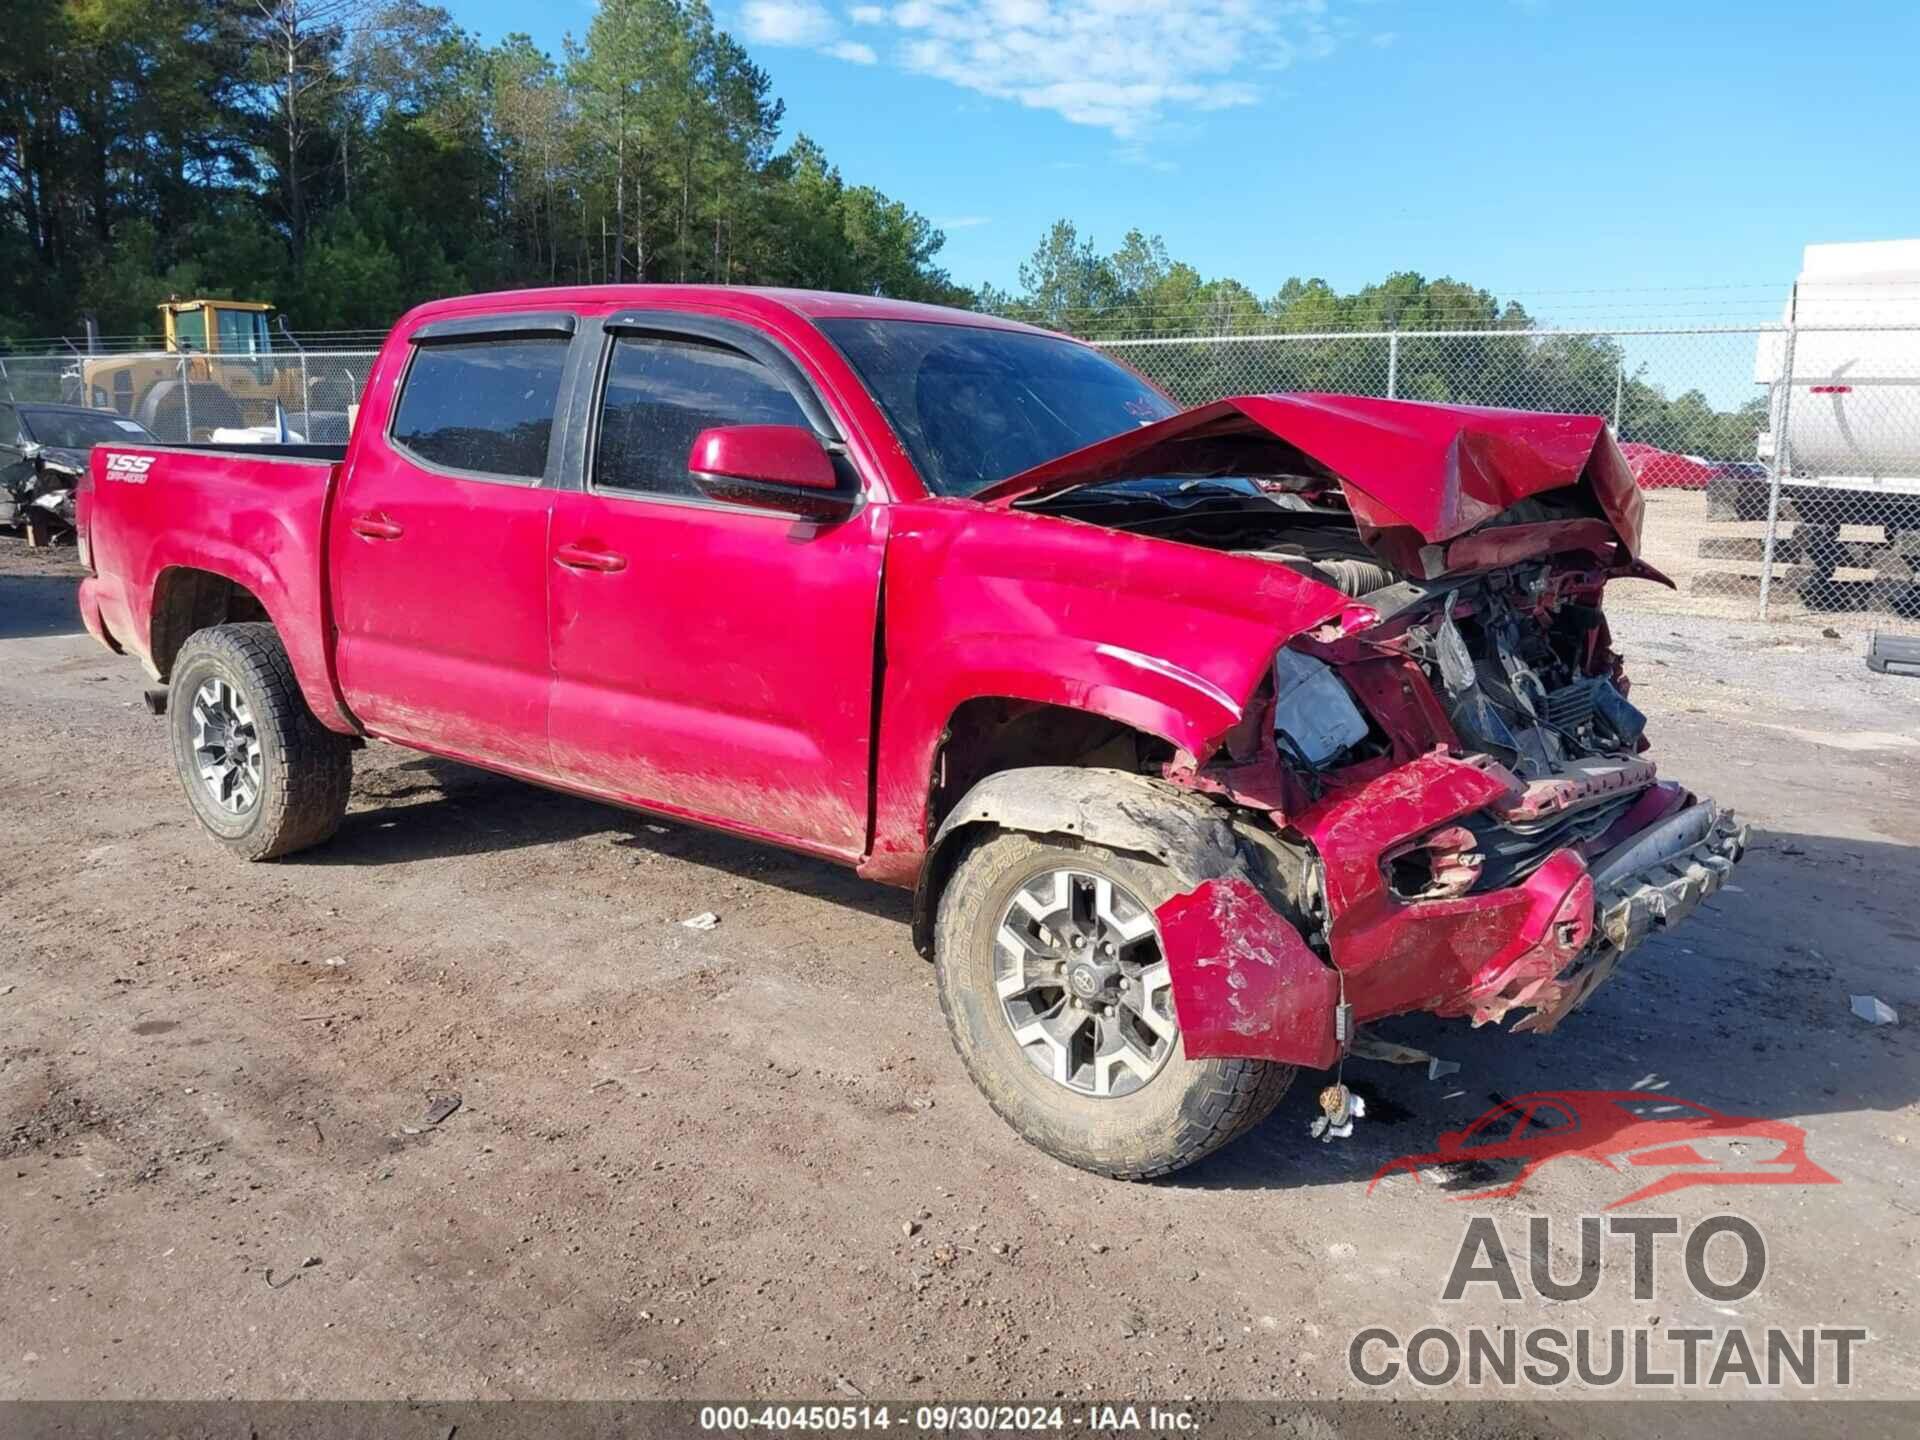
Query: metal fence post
[(1619, 393), (186, 400), (1393, 364), (1782, 457), (306, 386)]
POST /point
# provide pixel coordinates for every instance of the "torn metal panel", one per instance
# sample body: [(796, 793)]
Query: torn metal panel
[(1245, 983)]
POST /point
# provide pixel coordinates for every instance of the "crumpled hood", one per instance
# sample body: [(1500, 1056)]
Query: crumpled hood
[(1408, 469)]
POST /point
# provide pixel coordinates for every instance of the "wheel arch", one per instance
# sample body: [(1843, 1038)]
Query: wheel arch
[(193, 592), (1166, 708), (1117, 809), (187, 598)]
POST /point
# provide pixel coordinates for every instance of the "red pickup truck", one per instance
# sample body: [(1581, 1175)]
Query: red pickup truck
[(1204, 737)]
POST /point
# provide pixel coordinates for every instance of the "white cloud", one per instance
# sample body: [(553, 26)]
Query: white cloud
[(1120, 65), (786, 22), (963, 222), (1124, 66)]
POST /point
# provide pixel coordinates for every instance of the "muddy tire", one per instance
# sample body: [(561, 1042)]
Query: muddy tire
[(1135, 1116), (262, 774)]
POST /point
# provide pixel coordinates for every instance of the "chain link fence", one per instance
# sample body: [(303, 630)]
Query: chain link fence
[(1794, 500), (1791, 500), (201, 398)]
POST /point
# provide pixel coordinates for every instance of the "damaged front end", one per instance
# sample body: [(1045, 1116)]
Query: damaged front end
[(1495, 839), (1453, 771), (39, 492)]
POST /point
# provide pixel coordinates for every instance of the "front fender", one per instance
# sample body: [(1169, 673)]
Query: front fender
[(1245, 984), (1170, 640), (1112, 808), (1130, 687)]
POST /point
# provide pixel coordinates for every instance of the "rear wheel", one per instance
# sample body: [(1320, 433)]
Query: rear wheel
[(264, 776), (1059, 1001)]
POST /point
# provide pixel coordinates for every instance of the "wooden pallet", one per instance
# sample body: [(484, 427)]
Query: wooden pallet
[(1815, 568)]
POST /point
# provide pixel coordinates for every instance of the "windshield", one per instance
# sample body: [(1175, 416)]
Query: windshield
[(78, 429), (974, 405), (243, 332)]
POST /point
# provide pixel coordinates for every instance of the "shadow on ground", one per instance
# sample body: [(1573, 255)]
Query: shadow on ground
[(1725, 1011), (428, 808), (35, 606)]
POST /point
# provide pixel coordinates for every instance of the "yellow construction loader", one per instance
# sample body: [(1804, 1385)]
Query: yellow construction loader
[(219, 373)]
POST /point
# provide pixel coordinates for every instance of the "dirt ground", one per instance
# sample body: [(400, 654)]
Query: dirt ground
[(745, 1162)]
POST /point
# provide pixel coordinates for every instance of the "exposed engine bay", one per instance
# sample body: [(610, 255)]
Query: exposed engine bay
[(1519, 656), (1298, 521), (1527, 675)]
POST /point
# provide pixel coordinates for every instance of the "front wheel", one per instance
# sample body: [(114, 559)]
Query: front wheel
[(263, 775), (1058, 999)]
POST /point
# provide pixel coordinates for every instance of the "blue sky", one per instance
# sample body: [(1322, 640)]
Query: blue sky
[(1539, 148)]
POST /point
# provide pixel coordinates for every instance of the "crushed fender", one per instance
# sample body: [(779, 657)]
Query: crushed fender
[(1245, 984)]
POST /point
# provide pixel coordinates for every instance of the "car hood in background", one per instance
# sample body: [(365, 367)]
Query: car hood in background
[(65, 458), (1413, 473)]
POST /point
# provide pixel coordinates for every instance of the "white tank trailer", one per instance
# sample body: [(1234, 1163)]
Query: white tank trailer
[(1844, 427)]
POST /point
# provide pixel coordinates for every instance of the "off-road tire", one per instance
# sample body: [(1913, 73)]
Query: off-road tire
[(1187, 1111), (306, 769)]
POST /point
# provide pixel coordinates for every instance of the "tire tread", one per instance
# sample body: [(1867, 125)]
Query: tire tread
[(306, 793), (1238, 1096)]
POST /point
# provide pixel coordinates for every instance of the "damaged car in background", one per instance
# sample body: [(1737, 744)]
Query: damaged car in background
[(1204, 738), (43, 454)]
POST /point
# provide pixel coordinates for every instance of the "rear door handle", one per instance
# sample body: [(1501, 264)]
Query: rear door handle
[(582, 557), (375, 527)]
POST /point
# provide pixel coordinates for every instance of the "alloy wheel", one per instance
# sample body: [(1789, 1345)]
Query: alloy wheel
[(1083, 985), (226, 749)]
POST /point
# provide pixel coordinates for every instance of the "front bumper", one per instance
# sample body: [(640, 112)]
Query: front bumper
[(1652, 882), (1657, 877), (1247, 985)]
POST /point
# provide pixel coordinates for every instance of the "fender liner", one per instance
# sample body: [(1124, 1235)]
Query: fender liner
[(1245, 984)]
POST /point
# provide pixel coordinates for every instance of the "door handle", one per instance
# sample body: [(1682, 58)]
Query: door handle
[(582, 557), (375, 527)]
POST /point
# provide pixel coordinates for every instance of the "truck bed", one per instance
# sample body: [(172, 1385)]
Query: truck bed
[(155, 519)]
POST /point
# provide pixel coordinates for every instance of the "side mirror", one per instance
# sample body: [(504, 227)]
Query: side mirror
[(783, 468)]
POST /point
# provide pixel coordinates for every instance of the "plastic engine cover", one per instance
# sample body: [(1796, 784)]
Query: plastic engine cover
[(1313, 709)]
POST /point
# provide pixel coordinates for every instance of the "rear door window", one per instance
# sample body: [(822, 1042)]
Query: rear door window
[(483, 407)]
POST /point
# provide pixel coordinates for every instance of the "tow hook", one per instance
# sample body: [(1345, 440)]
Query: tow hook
[(155, 701)]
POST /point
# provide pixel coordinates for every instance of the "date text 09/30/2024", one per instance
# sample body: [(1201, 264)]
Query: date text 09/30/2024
[(936, 1418)]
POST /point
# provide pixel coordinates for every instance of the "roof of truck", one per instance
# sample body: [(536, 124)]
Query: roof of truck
[(747, 299)]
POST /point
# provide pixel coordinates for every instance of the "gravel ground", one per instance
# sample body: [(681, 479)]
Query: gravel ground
[(746, 1162)]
